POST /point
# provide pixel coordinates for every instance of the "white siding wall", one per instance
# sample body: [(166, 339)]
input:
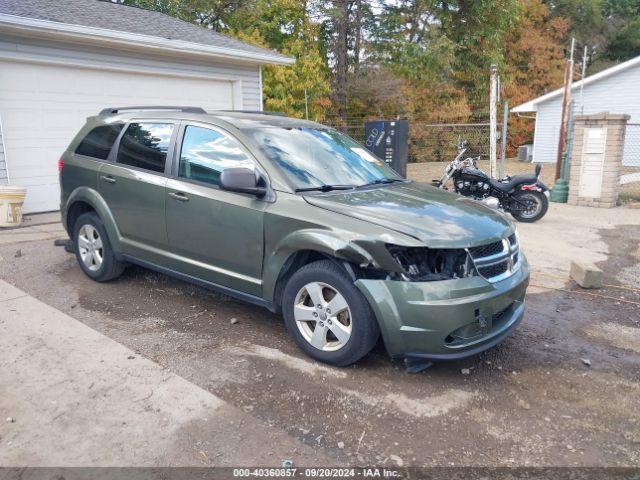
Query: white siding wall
[(33, 49), (545, 140), (618, 93)]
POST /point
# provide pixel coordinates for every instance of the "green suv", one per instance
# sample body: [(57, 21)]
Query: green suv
[(296, 217)]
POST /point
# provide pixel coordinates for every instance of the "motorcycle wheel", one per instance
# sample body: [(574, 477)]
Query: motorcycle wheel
[(536, 206)]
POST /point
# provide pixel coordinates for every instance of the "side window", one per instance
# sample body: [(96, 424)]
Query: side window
[(206, 153), (145, 145), (99, 141)]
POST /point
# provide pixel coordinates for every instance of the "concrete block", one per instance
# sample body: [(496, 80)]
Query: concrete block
[(587, 275)]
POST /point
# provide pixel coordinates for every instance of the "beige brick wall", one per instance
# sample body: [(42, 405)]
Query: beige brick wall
[(614, 147)]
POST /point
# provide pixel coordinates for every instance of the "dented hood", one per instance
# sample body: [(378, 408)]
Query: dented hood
[(434, 216)]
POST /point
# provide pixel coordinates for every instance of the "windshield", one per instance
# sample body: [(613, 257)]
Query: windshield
[(312, 157)]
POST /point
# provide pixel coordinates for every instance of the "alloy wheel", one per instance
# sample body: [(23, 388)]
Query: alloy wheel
[(323, 316), (90, 247)]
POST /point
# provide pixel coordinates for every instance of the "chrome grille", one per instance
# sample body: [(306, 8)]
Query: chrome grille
[(498, 260), (486, 250), (494, 270)]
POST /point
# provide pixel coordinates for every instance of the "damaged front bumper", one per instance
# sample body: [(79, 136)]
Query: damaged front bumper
[(449, 319)]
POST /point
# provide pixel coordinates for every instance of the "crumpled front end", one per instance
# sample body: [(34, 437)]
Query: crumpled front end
[(447, 319)]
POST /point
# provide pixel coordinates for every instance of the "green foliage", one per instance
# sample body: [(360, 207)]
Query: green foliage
[(405, 40), (609, 28), (284, 25), (625, 43)]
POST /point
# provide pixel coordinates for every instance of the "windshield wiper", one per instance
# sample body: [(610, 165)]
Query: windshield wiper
[(382, 181), (325, 188)]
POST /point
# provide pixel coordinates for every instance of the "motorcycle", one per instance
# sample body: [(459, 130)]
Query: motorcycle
[(523, 196)]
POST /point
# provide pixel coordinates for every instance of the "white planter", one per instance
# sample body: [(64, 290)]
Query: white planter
[(11, 200)]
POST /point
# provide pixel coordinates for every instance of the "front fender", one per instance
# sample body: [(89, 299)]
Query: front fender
[(93, 198), (360, 252)]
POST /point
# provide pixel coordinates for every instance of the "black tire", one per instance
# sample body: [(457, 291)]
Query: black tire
[(528, 196), (110, 268), (364, 326)]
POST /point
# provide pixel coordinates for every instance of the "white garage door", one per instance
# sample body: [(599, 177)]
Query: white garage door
[(43, 106)]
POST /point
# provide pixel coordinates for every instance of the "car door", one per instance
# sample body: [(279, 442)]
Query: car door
[(217, 235), (133, 185)]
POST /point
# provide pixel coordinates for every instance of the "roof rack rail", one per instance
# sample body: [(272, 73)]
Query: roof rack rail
[(260, 112), (113, 110)]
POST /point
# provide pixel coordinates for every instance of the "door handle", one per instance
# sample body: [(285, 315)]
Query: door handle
[(107, 178), (179, 196)]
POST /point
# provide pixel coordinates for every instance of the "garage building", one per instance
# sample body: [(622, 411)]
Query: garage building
[(61, 62), (614, 90)]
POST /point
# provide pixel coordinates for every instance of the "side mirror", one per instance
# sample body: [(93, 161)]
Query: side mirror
[(241, 180)]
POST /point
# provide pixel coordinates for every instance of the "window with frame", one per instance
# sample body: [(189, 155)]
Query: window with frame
[(98, 142), (206, 153), (145, 145)]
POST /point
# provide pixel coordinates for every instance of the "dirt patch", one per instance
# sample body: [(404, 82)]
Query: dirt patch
[(430, 406), (619, 336), (530, 401), (308, 367)]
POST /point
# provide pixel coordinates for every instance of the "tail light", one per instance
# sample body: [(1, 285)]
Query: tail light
[(60, 165)]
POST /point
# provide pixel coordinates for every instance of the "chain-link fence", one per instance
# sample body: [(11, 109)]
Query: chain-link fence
[(434, 142), (630, 173)]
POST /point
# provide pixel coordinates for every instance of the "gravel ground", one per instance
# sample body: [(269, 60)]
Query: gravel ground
[(534, 400)]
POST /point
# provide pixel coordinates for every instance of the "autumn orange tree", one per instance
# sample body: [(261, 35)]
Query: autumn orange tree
[(534, 62)]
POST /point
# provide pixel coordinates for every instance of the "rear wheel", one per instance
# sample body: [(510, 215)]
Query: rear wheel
[(327, 316), (530, 207), (93, 249)]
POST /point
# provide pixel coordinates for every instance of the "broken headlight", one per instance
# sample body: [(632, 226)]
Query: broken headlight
[(422, 264)]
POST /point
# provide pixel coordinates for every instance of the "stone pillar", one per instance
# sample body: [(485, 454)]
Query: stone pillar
[(598, 145)]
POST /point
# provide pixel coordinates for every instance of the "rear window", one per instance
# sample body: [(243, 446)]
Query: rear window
[(145, 145), (98, 142)]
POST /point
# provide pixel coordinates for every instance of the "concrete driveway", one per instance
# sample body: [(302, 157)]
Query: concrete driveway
[(148, 370)]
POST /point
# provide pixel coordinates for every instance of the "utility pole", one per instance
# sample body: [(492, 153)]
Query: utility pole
[(503, 153), (493, 120), (560, 190), (566, 98), (306, 104)]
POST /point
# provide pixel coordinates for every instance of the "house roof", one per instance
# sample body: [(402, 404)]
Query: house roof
[(532, 105), (97, 19)]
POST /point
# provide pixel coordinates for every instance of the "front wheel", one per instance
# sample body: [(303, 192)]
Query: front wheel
[(327, 316), (530, 206)]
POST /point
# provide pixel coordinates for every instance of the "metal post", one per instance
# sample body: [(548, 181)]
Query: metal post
[(503, 153), (584, 72), (569, 151), (306, 104), (493, 120)]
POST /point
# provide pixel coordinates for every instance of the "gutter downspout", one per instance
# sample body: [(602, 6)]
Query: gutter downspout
[(6, 159)]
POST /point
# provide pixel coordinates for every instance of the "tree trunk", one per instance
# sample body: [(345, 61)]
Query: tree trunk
[(358, 37), (341, 55)]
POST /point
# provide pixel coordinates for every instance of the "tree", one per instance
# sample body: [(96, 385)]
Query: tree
[(479, 29), (286, 26), (535, 62), (608, 27)]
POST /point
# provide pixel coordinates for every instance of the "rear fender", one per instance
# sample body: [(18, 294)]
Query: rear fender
[(93, 198), (535, 187)]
